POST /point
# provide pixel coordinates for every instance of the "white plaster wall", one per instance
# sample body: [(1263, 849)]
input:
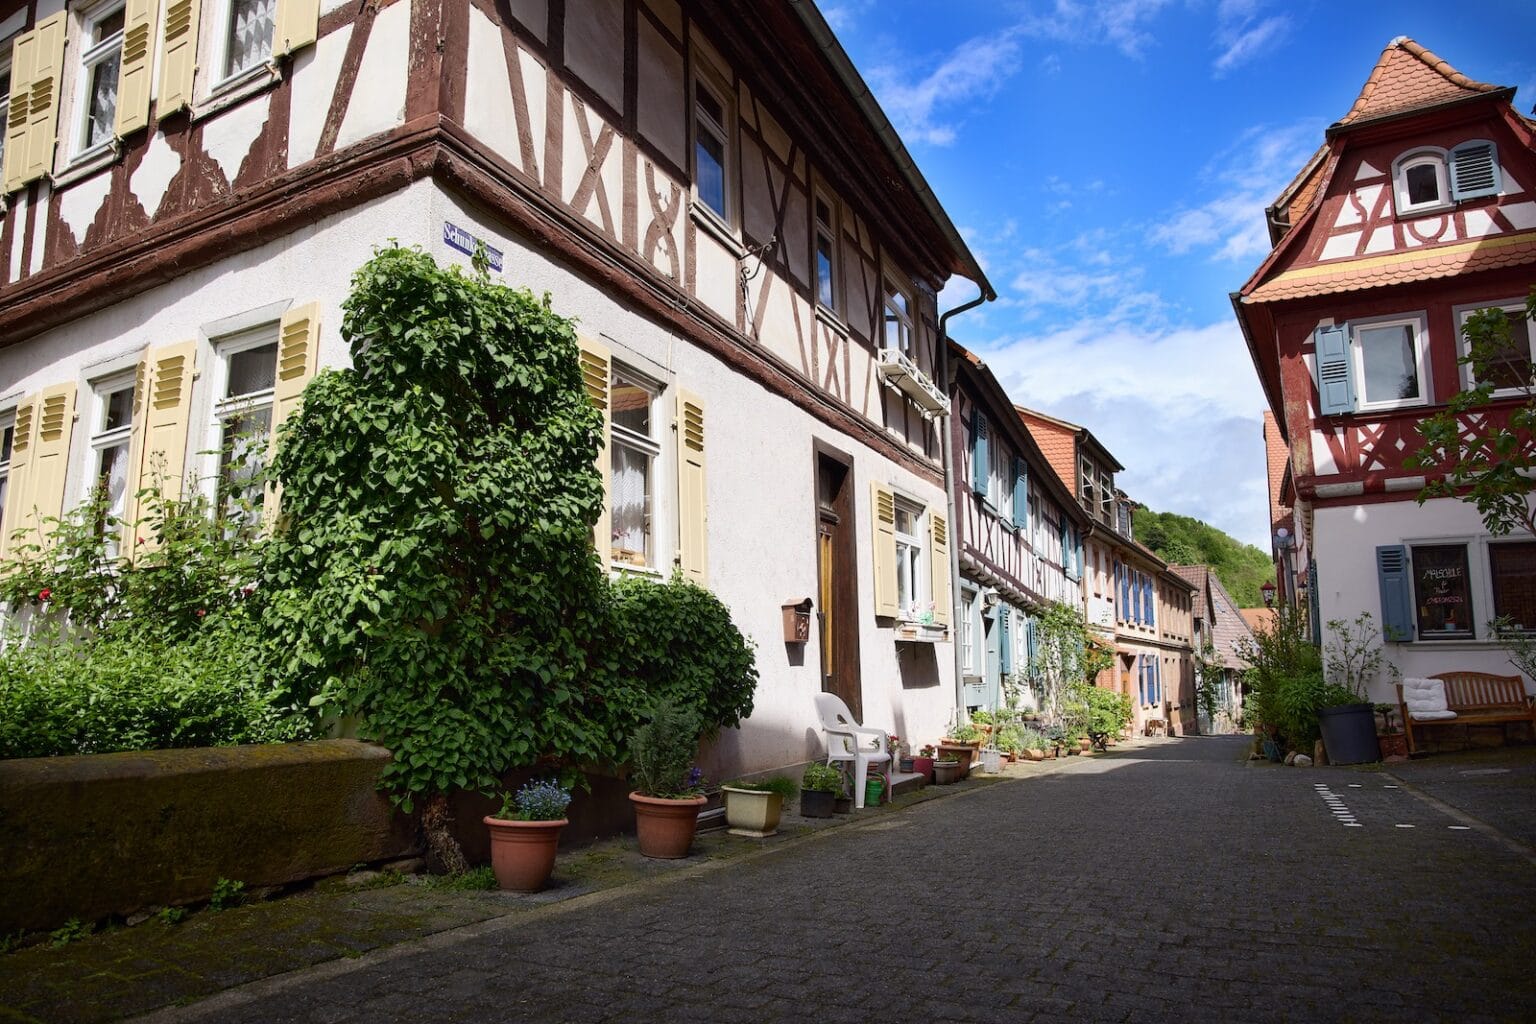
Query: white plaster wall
[(1345, 541), (377, 103), (759, 474)]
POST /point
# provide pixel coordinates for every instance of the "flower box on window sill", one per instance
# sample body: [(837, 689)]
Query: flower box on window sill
[(897, 369), (921, 632)]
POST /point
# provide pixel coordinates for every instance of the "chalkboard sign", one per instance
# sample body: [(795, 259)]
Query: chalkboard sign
[(1441, 591)]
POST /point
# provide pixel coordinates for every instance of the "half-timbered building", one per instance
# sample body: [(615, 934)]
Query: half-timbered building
[(1019, 538), (751, 254), (1418, 208), (1134, 602), (1222, 634)]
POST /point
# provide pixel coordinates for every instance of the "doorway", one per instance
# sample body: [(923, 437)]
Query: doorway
[(837, 592)]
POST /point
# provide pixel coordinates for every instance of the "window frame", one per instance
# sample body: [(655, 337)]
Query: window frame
[(221, 407), (911, 559), (7, 430), (1460, 315), (653, 448), (5, 99), (828, 230), (1417, 321), (967, 638), (1087, 484), (907, 339), (1471, 585), (88, 59), (1000, 483), (99, 438), (1434, 156), (1492, 545), (712, 85), (218, 78)]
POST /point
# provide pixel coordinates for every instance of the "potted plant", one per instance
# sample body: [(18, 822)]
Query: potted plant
[(1347, 720), (818, 790), (753, 808), (525, 835), (901, 752), (961, 745), (1389, 732), (923, 763), (947, 771), (669, 789)]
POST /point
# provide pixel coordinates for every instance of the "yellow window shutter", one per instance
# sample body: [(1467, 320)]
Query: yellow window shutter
[(178, 59), (16, 114), (166, 403), (295, 25), (298, 359), (883, 506), (938, 546), (692, 510), (138, 60), (596, 361), (17, 499), (50, 454), (40, 53)]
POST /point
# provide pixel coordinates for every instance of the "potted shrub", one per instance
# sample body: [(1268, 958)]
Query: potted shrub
[(818, 790), (1347, 720), (947, 771), (525, 835), (753, 808), (1389, 732), (669, 789), (923, 763), (961, 745)]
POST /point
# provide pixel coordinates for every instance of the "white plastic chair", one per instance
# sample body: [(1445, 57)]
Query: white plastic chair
[(844, 743)]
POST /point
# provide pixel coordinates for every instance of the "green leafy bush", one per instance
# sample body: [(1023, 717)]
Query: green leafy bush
[(821, 778), (1107, 713), (1286, 684)]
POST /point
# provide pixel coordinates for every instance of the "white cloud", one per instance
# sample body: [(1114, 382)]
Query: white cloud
[(975, 69), (1124, 24), (843, 16), (1180, 407), (1241, 34)]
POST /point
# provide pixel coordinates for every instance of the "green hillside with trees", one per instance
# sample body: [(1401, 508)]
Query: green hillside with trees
[(1180, 540)]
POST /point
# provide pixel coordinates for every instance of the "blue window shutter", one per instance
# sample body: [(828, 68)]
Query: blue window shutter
[(1141, 678), (1031, 641), (1314, 605), (1335, 370), (1004, 641), (980, 465), (1020, 493), (1125, 590), (1396, 592), (1475, 170)]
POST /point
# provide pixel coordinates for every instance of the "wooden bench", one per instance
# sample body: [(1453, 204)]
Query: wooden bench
[(1478, 698)]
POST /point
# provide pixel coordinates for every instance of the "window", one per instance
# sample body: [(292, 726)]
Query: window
[(1088, 487), (7, 439), (242, 420), (1419, 181), (898, 319), (1512, 568), (5, 105), (911, 591), (112, 422), (247, 35), (101, 54), (1389, 362), (1106, 497), (635, 451), (826, 254), (711, 145), (1475, 170), (1510, 369), (1000, 482), (1442, 591), (968, 632)]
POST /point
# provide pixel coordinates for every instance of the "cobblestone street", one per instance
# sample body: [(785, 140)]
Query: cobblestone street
[(1168, 882)]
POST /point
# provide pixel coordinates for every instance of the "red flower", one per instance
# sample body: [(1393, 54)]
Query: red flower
[(201, 613), (139, 541), (44, 594)]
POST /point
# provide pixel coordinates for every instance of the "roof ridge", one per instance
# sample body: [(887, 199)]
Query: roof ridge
[(1423, 55)]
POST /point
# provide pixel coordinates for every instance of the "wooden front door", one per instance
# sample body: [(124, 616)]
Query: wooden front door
[(837, 595)]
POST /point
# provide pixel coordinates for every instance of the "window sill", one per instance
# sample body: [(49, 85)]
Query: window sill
[(87, 164), (236, 89), (1425, 211), (713, 225), (831, 319), (921, 632), (625, 569)]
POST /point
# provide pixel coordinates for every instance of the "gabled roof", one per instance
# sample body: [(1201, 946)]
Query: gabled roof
[(1409, 78), (1082, 433), (1228, 627)]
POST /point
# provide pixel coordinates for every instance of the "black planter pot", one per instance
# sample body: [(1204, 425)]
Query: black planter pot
[(1349, 734), (815, 803)]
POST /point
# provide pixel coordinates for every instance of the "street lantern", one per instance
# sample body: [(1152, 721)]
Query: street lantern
[(1268, 590)]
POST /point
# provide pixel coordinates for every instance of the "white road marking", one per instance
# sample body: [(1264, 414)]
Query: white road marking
[(1407, 826)]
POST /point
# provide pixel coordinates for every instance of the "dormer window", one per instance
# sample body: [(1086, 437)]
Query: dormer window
[(1419, 180)]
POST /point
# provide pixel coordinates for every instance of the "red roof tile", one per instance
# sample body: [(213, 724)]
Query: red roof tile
[(1413, 266), (1409, 77)]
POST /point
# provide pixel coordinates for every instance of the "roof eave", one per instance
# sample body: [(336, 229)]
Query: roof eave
[(1503, 93)]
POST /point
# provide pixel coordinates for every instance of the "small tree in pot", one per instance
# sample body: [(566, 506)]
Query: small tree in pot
[(669, 788)]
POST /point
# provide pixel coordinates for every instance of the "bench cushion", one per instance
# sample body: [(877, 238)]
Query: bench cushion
[(1425, 699)]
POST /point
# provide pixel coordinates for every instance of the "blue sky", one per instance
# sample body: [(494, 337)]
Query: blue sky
[(1109, 162)]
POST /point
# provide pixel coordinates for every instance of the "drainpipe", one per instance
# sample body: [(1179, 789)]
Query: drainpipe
[(947, 377)]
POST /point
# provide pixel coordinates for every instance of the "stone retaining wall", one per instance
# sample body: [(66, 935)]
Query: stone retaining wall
[(109, 834)]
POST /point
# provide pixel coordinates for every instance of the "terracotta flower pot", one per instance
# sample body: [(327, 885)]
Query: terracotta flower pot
[(947, 773), (962, 752), (1035, 754), (523, 852), (665, 827)]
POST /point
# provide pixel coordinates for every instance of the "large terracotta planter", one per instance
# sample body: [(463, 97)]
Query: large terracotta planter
[(962, 752), (523, 852), (665, 827), (752, 812)]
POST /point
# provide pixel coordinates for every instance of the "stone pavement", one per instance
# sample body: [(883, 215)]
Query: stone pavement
[(1167, 881), (1495, 786)]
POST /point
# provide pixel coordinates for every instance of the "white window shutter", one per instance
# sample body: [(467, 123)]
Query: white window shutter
[(1335, 371), (295, 25), (17, 494), (883, 548), (692, 497), (178, 59), (16, 115), (1475, 170), (938, 547), (596, 361), (50, 454)]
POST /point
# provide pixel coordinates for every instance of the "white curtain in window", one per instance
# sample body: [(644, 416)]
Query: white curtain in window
[(631, 506), (250, 34)]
